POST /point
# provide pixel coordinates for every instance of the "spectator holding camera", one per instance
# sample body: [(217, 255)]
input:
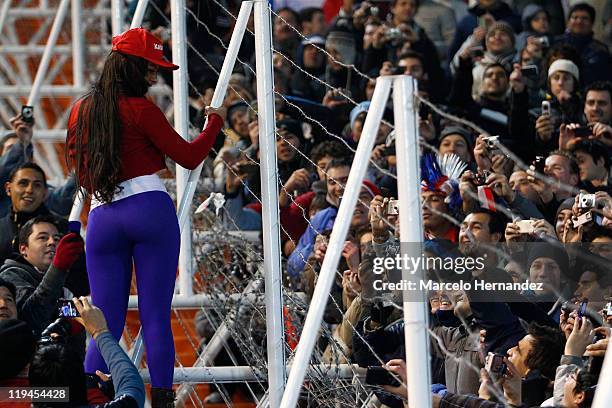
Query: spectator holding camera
[(57, 365), (40, 273), (16, 150)]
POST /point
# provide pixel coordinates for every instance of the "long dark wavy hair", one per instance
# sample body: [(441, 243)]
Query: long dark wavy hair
[(98, 131)]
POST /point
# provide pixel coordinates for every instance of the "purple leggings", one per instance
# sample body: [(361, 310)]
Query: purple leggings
[(142, 228)]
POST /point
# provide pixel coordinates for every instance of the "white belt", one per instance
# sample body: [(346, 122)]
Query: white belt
[(134, 186)]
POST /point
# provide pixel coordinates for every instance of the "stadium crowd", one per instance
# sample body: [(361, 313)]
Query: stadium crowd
[(516, 146)]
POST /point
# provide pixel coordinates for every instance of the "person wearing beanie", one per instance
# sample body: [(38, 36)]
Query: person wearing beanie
[(457, 140), (17, 345), (564, 213), (536, 23), (237, 120), (548, 264), (595, 56), (499, 44), (536, 133), (313, 61), (498, 9), (341, 47)]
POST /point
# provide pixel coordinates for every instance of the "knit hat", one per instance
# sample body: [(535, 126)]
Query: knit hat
[(235, 107), (545, 250), (502, 26), (359, 108), (565, 66), (566, 204), (292, 126), (344, 43), (457, 130), (17, 345)]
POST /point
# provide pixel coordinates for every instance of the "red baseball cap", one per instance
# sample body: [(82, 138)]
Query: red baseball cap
[(141, 43)]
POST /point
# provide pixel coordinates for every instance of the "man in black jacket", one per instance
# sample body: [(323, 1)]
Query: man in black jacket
[(39, 274)]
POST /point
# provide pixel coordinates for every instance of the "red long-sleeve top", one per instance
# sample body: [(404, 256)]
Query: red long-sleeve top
[(146, 138)]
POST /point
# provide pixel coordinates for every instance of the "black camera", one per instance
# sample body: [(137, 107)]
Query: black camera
[(27, 114), (481, 178), (57, 332), (424, 111)]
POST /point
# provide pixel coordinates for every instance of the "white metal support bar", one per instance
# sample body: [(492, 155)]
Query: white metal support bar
[(78, 50), (46, 58), (40, 77), (217, 100), (411, 238), (310, 332), (270, 208), (139, 13), (603, 393), (181, 124), (4, 12), (201, 375), (117, 16)]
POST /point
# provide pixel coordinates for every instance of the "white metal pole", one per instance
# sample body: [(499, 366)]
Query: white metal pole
[(411, 238), (41, 73), (3, 13), (181, 124), (310, 333), (270, 208), (217, 100), (603, 393), (46, 57), (78, 51), (117, 16), (199, 375), (139, 13), (77, 206)]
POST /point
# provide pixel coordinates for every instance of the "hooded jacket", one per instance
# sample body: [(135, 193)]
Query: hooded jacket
[(37, 292)]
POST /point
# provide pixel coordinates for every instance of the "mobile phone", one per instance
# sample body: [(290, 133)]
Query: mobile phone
[(395, 70), (390, 151), (424, 111), (545, 108), (66, 308), (530, 71), (583, 308), (538, 164), (495, 365), (379, 376), (477, 51), (583, 131), (27, 114)]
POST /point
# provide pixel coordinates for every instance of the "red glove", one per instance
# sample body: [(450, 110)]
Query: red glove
[(68, 250)]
